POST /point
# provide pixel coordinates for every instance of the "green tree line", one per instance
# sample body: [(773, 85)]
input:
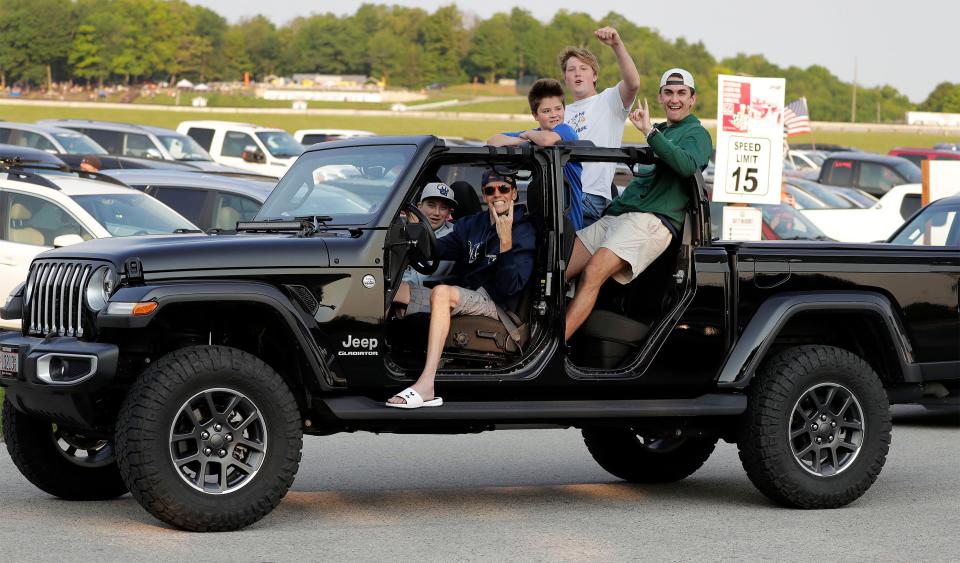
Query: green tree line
[(129, 41)]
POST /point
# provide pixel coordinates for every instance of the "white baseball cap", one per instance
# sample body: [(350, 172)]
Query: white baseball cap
[(438, 189), (686, 79)]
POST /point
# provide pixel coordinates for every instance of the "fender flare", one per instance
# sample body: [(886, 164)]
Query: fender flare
[(165, 294), (773, 314)]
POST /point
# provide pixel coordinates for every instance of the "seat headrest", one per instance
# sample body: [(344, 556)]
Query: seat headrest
[(227, 218), (20, 211)]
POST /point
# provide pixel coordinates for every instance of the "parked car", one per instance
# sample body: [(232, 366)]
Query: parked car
[(309, 137), (872, 173), (50, 208), (262, 150), (806, 159), (872, 224), (113, 162), (828, 196), (50, 138), (191, 370), (219, 202), (937, 224), (780, 222), (917, 156), (947, 146), (142, 141)]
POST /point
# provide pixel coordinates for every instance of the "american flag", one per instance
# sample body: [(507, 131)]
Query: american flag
[(796, 118)]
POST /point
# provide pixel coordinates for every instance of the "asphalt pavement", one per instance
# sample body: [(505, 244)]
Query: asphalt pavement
[(519, 495)]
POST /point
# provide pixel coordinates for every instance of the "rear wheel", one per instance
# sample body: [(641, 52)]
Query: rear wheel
[(817, 427), (66, 463), (644, 459), (209, 439)]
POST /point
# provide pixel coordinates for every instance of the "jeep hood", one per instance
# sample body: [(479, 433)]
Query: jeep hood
[(166, 253)]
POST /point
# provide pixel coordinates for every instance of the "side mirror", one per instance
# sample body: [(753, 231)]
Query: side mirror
[(67, 240), (253, 155), (154, 154)]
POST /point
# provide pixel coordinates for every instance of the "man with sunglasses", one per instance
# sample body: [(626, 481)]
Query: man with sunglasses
[(493, 251)]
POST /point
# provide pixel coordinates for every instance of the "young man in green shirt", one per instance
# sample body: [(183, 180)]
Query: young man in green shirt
[(638, 226)]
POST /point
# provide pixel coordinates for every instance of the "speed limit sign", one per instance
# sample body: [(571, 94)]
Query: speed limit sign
[(749, 165)]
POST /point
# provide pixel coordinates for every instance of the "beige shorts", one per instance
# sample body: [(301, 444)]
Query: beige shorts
[(637, 238), (472, 302)]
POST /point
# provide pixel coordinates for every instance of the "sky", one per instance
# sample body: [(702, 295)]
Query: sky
[(908, 45)]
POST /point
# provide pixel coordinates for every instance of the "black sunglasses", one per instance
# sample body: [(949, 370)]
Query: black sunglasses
[(502, 188)]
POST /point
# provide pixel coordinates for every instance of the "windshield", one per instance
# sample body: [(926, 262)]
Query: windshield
[(348, 184), (280, 144), (132, 214), (77, 143), (911, 172), (937, 225), (183, 147)]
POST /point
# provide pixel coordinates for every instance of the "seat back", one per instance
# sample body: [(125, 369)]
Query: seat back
[(20, 230), (468, 202), (227, 218)]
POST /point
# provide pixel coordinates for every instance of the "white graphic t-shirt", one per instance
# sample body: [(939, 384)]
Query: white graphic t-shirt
[(599, 119)]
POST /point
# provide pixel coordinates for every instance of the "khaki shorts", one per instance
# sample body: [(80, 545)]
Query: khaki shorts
[(472, 302), (637, 238)]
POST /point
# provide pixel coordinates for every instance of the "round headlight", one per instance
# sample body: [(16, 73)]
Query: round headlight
[(97, 294), (109, 282)]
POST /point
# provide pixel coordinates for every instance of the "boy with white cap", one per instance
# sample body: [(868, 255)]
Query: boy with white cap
[(437, 201), (639, 225)]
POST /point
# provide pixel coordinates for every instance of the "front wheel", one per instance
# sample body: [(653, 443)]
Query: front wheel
[(647, 459), (209, 439), (66, 463), (817, 427)]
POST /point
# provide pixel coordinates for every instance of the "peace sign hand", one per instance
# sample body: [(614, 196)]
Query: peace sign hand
[(640, 117)]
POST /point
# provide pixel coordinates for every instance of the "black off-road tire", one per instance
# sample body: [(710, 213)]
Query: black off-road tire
[(145, 428), (768, 450), (33, 449), (631, 457)]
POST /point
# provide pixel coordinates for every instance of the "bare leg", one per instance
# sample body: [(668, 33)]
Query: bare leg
[(578, 259), (598, 270), (443, 299), (402, 295)]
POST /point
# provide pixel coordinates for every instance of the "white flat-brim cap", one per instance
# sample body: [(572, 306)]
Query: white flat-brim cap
[(438, 189), (686, 79)]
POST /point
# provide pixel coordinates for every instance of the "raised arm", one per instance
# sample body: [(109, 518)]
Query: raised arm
[(629, 77)]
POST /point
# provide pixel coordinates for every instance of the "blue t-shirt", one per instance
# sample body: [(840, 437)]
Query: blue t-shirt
[(571, 173)]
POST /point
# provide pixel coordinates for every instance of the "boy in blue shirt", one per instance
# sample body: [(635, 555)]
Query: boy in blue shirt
[(547, 105)]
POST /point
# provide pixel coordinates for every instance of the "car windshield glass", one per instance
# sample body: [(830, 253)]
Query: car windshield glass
[(830, 198), (790, 224), (859, 197), (132, 214), (76, 143), (280, 144), (937, 225), (184, 148), (911, 172), (348, 184), (816, 157)]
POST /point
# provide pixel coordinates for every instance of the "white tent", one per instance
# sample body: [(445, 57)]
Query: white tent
[(201, 88), (184, 84)]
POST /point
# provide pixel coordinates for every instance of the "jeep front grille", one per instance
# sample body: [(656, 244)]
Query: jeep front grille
[(56, 289)]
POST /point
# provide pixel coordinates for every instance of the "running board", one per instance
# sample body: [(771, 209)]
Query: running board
[(364, 408)]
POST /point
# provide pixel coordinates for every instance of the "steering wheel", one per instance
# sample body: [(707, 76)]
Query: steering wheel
[(424, 246)]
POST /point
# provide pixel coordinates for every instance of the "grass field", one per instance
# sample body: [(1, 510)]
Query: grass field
[(406, 125)]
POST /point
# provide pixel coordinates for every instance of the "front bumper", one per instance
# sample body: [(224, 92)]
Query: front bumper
[(61, 379)]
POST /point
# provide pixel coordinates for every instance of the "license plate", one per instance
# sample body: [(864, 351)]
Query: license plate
[(9, 361)]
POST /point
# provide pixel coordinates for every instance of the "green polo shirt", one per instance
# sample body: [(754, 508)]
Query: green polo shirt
[(682, 149)]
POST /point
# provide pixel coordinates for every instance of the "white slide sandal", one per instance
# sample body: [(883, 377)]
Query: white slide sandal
[(414, 400)]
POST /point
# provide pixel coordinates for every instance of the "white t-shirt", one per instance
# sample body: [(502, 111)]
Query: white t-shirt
[(600, 119)]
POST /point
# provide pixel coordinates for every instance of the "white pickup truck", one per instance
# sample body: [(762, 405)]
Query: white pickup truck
[(873, 223), (261, 150)]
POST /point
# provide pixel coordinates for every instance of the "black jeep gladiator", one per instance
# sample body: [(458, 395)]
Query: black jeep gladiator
[(186, 370)]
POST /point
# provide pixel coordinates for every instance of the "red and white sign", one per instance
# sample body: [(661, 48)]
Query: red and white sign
[(749, 164)]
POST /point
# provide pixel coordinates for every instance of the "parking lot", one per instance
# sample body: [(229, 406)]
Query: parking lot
[(527, 495)]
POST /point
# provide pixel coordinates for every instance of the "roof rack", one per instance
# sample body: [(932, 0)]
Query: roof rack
[(97, 176), (18, 175)]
